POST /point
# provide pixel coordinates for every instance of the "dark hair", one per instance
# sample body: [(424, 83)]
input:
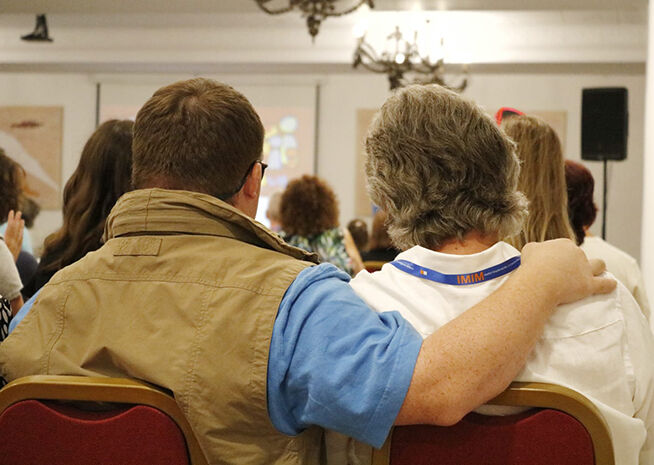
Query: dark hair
[(10, 185), (309, 207), (581, 208), (359, 231), (101, 177), (30, 209), (380, 238), (197, 135)]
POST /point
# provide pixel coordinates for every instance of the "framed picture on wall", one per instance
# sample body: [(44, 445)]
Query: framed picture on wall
[(32, 136)]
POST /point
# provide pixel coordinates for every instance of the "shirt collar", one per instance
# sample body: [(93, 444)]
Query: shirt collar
[(451, 263)]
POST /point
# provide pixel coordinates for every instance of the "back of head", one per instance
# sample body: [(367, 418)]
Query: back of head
[(581, 208), (197, 135), (380, 238), (359, 231), (11, 181), (274, 207), (29, 208), (309, 207), (440, 167), (101, 177), (542, 180)]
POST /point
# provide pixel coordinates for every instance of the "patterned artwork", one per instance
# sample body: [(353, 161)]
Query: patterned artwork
[(288, 146), (32, 136)]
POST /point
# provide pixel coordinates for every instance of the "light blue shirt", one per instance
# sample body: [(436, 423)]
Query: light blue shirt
[(333, 361)]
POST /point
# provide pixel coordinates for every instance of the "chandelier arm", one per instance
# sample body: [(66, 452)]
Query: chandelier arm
[(367, 51), (261, 4), (350, 10)]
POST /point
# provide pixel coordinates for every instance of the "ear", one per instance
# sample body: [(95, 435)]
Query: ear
[(252, 186), (247, 199)]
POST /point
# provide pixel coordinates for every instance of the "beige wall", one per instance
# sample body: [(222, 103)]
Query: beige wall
[(340, 97)]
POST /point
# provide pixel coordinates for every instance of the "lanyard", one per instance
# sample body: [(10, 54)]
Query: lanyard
[(458, 279)]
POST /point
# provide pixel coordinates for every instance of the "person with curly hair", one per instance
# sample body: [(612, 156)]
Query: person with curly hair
[(102, 176), (11, 182), (309, 216)]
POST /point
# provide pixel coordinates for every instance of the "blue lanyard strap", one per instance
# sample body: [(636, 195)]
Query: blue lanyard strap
[(458, 279)]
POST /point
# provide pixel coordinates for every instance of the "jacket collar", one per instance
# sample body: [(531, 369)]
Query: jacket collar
[(164, 211)]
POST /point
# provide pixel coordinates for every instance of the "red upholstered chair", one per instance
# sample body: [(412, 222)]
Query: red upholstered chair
[(564, 428), (63, 420)]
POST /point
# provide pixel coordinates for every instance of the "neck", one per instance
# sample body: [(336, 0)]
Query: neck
[(472, 242)]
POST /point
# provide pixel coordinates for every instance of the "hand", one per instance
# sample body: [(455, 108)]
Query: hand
[(14, 233), (564, 270)]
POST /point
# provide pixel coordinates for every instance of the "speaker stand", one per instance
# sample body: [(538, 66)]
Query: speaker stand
[(605, 161)]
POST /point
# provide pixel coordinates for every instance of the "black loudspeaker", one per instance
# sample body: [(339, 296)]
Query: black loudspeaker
[(604, 123)]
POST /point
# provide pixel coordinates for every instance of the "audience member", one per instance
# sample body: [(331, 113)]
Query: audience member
[(451, 194), (381, 248), (10, 245), (359, 232), (30, 209), (26, 263), (101, 177), (274, 212), (309, 214), (542, 180), (16, 201), (258, 346), (582, 210)]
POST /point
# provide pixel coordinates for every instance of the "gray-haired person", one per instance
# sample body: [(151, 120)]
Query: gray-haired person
[(448, 178)]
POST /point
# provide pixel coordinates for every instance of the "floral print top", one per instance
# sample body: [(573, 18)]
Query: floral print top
[(329, 245)]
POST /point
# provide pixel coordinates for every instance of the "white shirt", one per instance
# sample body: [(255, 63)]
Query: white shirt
[(601, 346), (621, 265)]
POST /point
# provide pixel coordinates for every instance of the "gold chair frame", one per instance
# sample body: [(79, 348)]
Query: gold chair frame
[(115, 390), (543, 395)]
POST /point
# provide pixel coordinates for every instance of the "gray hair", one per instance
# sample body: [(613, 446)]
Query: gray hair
[(441, 168)]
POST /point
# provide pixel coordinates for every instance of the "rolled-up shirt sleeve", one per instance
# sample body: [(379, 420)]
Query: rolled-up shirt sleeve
[(335, 363)]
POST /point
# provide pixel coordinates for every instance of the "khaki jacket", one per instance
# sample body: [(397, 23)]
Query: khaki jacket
[(184, 295)]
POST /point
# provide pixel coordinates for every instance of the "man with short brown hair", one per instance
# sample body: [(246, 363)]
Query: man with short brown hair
[(259, 347)]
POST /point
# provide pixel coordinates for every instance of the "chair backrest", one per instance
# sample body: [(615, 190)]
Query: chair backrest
[(563, 428), (69, 419)]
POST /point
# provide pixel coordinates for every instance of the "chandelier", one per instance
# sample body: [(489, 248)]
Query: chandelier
[(314, 10), (404, 63)]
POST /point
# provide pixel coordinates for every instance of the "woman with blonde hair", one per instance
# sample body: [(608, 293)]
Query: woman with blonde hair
[(542, 180)]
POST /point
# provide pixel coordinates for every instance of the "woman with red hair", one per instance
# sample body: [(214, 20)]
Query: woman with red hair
[(582, 211)]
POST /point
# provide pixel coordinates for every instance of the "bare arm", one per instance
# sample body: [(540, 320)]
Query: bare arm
[(14, 233), (352, 251), (475, 356), (16, 304)]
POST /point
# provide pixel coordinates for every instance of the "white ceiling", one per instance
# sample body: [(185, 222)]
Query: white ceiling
[(249, 6), (235, 36)]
